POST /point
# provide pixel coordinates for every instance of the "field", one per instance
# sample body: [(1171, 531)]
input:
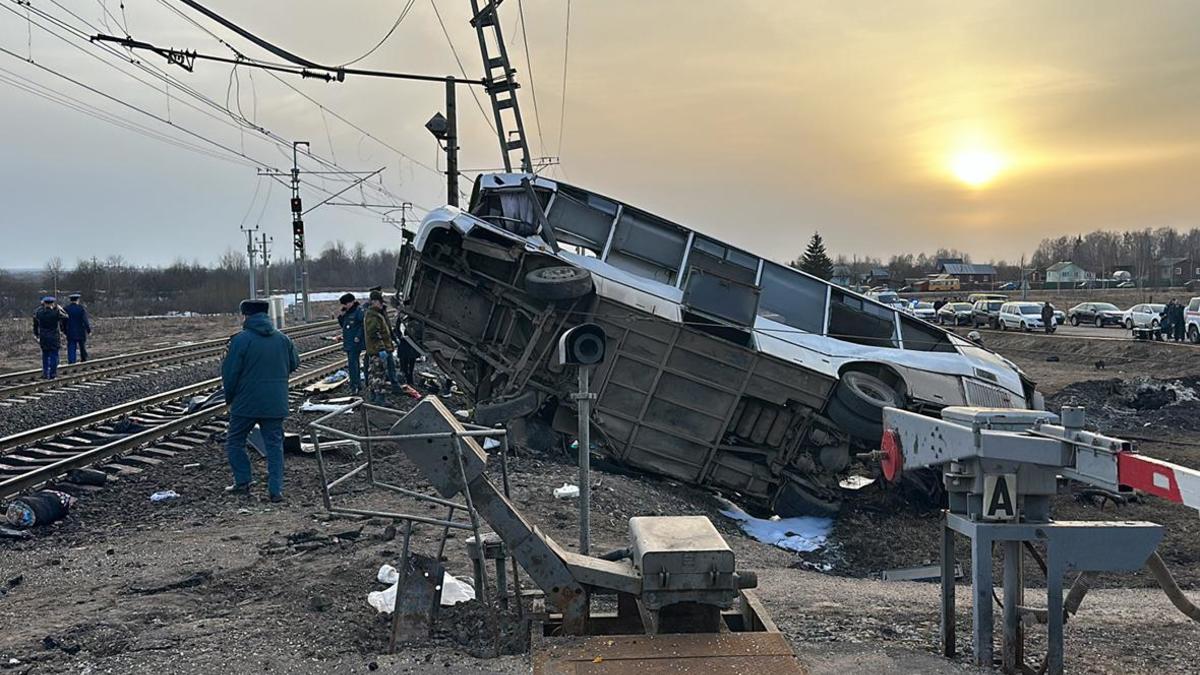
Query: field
[(210, 582)]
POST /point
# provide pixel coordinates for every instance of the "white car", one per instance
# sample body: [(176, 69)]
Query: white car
[(923, 310), (889, 298), (1023, 315), (1191, 318), (1146, 315)]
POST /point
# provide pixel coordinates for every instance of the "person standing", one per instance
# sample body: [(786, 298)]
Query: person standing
[(381, 366), (255, 377), (79, 327), (1048, 317), (409, 333), (48, 321), (1168, 315), (1179, 323), (350, 318)]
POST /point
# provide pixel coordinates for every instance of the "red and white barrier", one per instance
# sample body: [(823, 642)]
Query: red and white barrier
[(1161, 479)]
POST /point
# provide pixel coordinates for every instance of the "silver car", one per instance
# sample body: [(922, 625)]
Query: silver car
[(1145, 315)]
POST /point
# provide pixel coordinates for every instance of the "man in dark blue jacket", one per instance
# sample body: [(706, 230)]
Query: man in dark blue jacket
[(47, 322), (350, 318), (255, 376), (79, 327)]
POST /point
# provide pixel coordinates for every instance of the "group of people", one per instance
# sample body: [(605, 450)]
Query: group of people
[(51, 322), (368, 331), (1173, 323)]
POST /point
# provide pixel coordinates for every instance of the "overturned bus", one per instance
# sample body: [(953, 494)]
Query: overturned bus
[(725, 369)]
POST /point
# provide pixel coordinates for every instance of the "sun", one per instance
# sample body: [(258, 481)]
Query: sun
[(976, 168)]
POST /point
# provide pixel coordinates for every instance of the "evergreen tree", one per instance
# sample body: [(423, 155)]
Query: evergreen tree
[(815, 260)]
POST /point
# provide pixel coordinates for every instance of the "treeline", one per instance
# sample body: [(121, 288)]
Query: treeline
[(114, 287), (909, 266), (1103, 252)]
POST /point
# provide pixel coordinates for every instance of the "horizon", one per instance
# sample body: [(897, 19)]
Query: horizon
[(983, 127)]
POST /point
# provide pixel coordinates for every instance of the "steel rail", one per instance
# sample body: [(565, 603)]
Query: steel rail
[(132, 358), (30, 436), (91, 455)]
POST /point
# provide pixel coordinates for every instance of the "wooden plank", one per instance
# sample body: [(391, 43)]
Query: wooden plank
[(758, 653)]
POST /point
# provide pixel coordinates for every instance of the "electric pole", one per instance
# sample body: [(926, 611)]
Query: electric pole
[(298, 229), (250, 253), (266, 262), (445, 129)]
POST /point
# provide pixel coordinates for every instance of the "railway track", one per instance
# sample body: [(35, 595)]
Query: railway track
[(133, 436), (26, 385)]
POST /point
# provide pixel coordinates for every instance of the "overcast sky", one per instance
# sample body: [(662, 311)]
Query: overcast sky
[(887, 126)]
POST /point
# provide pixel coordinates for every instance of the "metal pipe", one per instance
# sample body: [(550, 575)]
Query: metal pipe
[(399, 516), (481, 582), (418, 495), (350, 474), (321, 472), (585, 459)]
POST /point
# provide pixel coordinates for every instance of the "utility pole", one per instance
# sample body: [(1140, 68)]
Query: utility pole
[(250, 253), (298, 229), (266, 262), (451, 146)]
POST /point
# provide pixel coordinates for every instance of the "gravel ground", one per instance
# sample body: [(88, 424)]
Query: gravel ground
[(210, 583), (67, 404)]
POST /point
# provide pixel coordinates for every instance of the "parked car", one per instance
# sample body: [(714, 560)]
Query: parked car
[(975, 297), (889, 298), (1023, 315), (1100, 313), (986, 313), (1191, 318), (1129, 284), (923, 310), (955, 314), (1146, 315), (1008, 286)]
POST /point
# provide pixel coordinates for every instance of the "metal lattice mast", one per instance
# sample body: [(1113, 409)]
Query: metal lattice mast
[(500, 85)]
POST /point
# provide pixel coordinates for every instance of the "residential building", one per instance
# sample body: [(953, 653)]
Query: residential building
[(969, 275), (1066, 273)]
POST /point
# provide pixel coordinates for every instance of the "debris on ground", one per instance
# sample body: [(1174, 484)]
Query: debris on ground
[(40, 508), (483, 630), (799, 533), (164, 496), (454, 590), (567, 491), (1117, 404)]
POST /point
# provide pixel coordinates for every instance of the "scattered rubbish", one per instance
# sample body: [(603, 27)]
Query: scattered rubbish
[(919, 573), (193, 465), (329, 383), (10, 533), (87, 477), (567, 491), (490, 443), (309, 540), (40, 508), (1052, 359), (51, 642), (464, 414), (164, 496), (410, 391), (855, 482), (202, 402), (309, 406), (799, 533), (309, 448), (454, 590)]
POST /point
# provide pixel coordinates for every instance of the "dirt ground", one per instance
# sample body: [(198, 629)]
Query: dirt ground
[(210, 582)]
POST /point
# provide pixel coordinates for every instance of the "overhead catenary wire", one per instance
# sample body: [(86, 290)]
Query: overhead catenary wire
[(461, 69), (399, 19), (562, 113), (537, 116), (252, 161)]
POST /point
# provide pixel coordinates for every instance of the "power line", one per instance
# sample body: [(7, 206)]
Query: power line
[(562, 113), (461, 69), (403, 13), (537, 116)]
